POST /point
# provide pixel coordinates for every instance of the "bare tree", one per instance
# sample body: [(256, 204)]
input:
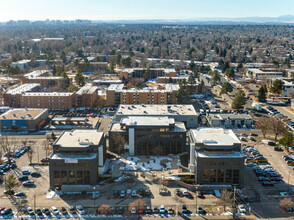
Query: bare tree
[(286, 203), (277, 127), (104, 209), (139, 204), (226, 198), (119, 142), (263, 124)]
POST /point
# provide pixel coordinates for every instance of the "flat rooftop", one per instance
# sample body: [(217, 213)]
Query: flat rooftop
[(22, 113), (79, 138), (147, 121), (178, 127), (23, 88), (229, 116), (234, 154), (80, 156), (214, 136), (164, 110)]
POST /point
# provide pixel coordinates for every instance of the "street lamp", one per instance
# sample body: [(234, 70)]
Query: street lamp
[(196, 195)]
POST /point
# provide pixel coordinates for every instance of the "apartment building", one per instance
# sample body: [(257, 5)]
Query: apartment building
[(215, 157), (159, 94), (145, 72), (43, 78), (30, 96), (148, 136), (77, 160)]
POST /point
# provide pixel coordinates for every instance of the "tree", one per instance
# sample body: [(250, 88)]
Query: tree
[(277, 87), (104, 209), (262, 94), (119, 142), (225, 66), (10, 182), (127, 62), (239, 100), (226, 198), (287, 140), (263, 124), (227, 87), (139, 204), (230, 73), (215, 78), (286, 203), (277, 127), (80, 79), (183, 95), (191, 80)]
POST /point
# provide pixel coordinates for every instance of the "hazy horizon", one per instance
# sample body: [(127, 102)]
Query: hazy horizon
[(143, 10)]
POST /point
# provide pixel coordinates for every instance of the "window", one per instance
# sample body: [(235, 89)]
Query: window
[(228, 176), (236, 176), (220, 176), (212, 175), (57, 177), (86, 177), (71, 177), (80, 177), (205, 176)]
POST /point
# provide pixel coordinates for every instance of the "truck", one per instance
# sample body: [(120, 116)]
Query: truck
[(257, 106)]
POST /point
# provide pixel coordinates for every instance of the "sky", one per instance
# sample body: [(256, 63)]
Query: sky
[(140, 9)]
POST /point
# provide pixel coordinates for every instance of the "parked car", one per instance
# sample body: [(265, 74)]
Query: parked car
[(200, 210), (9, 192), (133, 210), (26, 172), (46, 211), (134, 193), (148, 210), (35, 174), (170, 211), (122, 194), (80, 209), (162, 209), (6, 211), (30, 211), (72, 210), (184, 209), (63, 211), (20, 195), (23, 178), (54, 210), (28, 183), (155, 210)]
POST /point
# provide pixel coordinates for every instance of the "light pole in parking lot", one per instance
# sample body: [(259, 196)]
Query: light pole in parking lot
[(196, 195)]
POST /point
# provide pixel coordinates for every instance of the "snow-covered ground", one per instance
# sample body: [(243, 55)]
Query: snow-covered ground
[(152, 163)]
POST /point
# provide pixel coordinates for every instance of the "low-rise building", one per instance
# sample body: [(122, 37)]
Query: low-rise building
[(77, 160), (22, 64), (148, 136), (43, 78), (145, 72), (23, 119), (215, 157), (230, 120), (181, 113), (259, 74)]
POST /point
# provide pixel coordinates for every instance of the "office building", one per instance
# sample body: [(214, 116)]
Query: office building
[(215, 157)]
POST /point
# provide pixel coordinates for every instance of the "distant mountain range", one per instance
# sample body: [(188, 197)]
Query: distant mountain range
[(285, 19)]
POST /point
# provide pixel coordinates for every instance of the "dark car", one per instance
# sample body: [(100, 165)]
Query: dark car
[(23, 178), (184, 209), (72, 210), (45, 160), (148, 210), (63, 211), (35, 174), (28, 183), (46, 212), (20, 194), (9, 192), (155, 210), (267, 183), (6, 211)]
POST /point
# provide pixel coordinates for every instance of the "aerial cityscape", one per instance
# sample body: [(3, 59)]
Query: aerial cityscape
[(147, 109)]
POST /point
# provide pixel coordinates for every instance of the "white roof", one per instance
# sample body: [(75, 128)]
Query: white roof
[(147, 121), (23, 88), (214, 136), (167, 87), (47, 94), (162, 110), (79, 138)]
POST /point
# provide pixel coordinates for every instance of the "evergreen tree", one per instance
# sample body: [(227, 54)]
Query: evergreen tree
[(227, 87), (230, 73), (277, 87), (80, 79), (239, 100), (287, 140), (215, 77), (262, 94)]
